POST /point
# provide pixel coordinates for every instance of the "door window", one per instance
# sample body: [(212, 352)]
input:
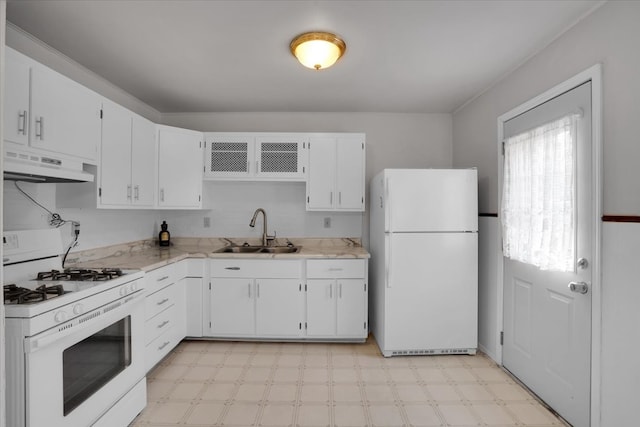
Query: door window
[(538, 200)]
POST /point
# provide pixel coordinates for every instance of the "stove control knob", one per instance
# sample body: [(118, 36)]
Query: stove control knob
[(78, 309), (134, 287), (60, 316), (123, 291)]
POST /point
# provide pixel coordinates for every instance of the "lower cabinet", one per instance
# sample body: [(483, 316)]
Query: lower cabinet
[(165, 324), (269, 299), (337, 299), (256, 298), (192, 282)]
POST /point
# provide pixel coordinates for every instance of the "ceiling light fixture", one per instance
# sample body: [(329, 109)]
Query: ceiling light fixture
[(317, 50)]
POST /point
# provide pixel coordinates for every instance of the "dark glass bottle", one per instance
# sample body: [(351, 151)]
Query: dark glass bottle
[(164, 237)]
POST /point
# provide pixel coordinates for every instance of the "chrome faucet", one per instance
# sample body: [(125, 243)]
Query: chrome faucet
[(266, 239)]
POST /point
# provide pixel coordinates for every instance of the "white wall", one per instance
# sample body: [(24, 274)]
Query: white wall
[(609, 36)]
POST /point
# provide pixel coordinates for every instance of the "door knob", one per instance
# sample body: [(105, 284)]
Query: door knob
[(579, 287)]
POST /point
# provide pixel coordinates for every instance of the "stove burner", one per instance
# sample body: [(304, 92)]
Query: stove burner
[(17, 295), (80, 274)]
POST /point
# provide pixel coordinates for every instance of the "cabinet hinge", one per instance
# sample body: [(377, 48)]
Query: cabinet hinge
[(100, 192), (501, 337), (309, 146), (305, 287), (300, 287), (363, 145), (303, 169), (503, 147), (307, 199), (365, 325), (209, 325), (101, 113), (199, 198), (200, 144), (365, 287), (209, 285)]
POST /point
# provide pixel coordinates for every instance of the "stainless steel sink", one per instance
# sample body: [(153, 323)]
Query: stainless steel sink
[(259, 249)]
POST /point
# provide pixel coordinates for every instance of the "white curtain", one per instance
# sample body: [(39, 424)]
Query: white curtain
[(538, 200)]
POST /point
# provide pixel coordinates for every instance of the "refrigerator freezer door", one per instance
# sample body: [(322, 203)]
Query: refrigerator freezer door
[(432, 292), (431, 200)]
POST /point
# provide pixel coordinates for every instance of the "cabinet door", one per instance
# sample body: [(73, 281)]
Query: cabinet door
[(16, 98), (351, 310), (179, 168), (65, 115), (321, 307), (232, 303), (350, 174), (143, 171), (193, 310), (280, 157), (229, 156), (115, 156), (321, 175), (279, 304)]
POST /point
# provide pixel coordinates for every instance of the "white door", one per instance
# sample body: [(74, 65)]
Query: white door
[(115, 160), (16, 98), (65, 115), (351, 308), (432, 291), (143, 171), (232, 307), (431, 200), (321, 307), (179, 168), (321, 180), (547, 326), (349, 173), (279, 304)]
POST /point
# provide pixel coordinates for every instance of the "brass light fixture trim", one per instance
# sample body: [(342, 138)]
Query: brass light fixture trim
[(317, 49)]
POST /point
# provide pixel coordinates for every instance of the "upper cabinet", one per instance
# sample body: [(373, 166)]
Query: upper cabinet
[(179, 168), (48, 111), (336, 180), (255, 156), (127, 159), (16, 98)]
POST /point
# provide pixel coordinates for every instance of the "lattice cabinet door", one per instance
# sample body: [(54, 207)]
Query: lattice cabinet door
[(229, 156), (281, 157)]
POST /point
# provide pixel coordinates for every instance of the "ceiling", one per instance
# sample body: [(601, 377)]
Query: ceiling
[(233, 56)]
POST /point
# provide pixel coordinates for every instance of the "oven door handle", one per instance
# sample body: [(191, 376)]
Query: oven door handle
[(88, 324)]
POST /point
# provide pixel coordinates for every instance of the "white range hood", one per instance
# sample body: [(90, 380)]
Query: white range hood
[(41, 168)]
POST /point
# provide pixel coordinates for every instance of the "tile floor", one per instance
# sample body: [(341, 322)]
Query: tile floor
[(209, 383)]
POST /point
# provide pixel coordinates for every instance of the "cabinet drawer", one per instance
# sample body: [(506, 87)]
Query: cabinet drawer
[(334, 268), (160, 347), (263, 268), (159, 278), (159, 323), (159, 301)]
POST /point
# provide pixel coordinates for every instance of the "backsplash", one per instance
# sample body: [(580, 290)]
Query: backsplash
[(230, 208)]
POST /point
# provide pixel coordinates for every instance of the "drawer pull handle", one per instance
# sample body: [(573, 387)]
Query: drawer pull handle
[(162, 302), (164, 345), (162, 278), (232, 268), (163, 324)]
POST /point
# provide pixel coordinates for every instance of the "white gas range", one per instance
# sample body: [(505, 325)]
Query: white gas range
[(74, 338)]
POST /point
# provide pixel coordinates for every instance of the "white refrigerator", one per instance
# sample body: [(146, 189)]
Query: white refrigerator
[(424, 261)]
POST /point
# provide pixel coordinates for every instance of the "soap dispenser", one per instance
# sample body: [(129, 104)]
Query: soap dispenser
[(164, 237)]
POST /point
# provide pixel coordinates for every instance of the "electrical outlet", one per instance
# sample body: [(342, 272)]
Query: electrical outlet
[(207, 222), (327, 222)]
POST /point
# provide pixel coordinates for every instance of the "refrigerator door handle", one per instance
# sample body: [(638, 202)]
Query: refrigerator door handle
[(387, 208), (388, 261)]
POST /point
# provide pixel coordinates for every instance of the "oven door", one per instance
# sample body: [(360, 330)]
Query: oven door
[(76, 371)]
